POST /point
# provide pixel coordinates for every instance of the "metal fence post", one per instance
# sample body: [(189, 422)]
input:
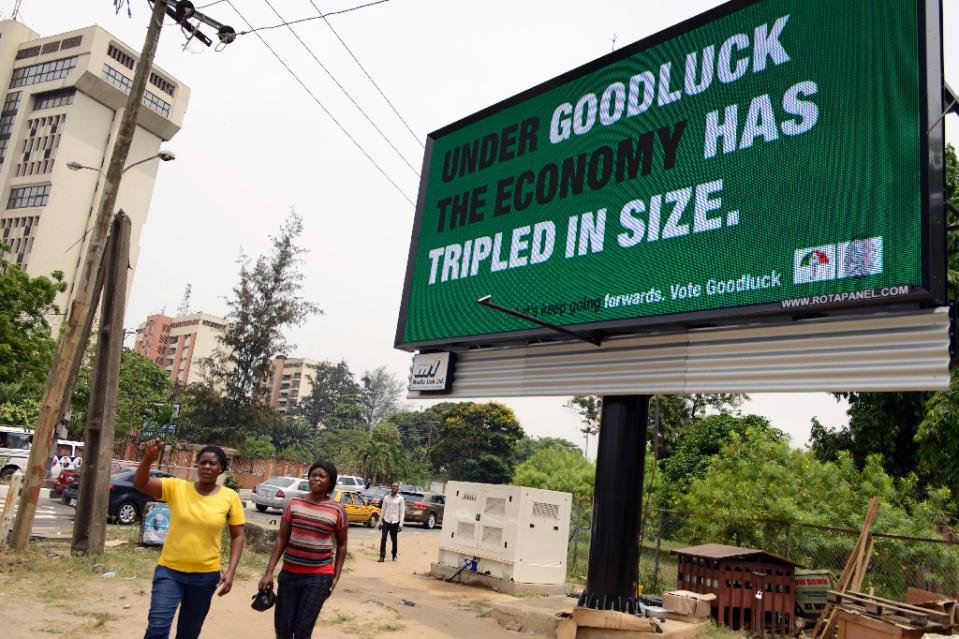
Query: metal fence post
[(659, 537)]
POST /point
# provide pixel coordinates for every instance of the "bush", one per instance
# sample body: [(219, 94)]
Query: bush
[(230, 481)]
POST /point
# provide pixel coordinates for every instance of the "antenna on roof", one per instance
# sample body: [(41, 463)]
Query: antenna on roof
[(184, 308)]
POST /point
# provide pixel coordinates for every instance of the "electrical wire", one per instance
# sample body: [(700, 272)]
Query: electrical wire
[(369, 77), (345, 92), (286, 24), (320, 104)]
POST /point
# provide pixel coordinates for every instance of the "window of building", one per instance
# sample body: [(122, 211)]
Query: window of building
[(125, 84), (29, 196), (53, 99), (44, 72), (50, 47), (162, 83), (29, 52), (70, 43), (121, 56)]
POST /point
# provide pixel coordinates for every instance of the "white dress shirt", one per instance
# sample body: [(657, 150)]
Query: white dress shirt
[(394, 509)]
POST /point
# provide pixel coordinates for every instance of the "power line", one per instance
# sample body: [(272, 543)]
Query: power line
[(363, 69), (320, 104), (343, 89), (286, 24)]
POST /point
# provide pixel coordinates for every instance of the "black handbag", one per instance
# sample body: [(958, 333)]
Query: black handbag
[(263, 600)]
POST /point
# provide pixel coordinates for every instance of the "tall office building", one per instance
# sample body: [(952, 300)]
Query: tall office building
[(290, 381), (64, 95), (180, 344)]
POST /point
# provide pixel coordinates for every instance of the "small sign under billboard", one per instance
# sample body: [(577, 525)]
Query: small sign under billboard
[(769, 157), (432, 372)]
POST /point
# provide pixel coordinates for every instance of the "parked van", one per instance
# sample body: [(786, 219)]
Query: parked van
[(15, 443)]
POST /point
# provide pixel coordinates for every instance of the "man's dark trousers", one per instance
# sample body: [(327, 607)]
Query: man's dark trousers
[(392, 529)]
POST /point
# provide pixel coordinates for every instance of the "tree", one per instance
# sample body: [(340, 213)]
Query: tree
[(388, 434), (344, 447), (264, 302), (827, 443), (294, 438), (937, 439), (208, 417), (418, 429), (469, 432), (332, 384), (380, 461), (26, 346), (258, 447), (143, 384), (529, 446), (380, 395), (555, 468), (590, 409), (484, 468)]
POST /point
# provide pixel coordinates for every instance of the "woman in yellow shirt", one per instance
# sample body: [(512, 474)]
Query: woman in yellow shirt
[(188, 571)]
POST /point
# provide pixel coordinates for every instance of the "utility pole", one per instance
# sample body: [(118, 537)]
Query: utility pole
[(89, 527), (72, 342)]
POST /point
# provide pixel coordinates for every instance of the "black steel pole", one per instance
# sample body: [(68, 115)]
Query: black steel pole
[(613, 570)]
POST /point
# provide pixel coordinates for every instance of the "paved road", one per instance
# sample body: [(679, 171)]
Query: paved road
[(54, 517)]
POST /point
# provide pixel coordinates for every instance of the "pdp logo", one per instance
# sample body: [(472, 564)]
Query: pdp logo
[(856, 258), (814, 264)]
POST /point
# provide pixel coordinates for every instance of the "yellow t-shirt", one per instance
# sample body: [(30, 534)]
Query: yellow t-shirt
[(196, 525)]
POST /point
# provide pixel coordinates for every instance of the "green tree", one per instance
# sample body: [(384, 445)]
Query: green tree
[(380, 461), (380, 393), (826, 443), (332, 384), (258, 447), (590, 410), (208, 417), (388, 434), (344, 447), (937, 439), (471, 433), (418, 430), (529, 446), (555, 468), (264, 302), (26, 346)]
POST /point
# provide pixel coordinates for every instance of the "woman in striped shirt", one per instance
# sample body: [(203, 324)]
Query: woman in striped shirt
[(311, 567)]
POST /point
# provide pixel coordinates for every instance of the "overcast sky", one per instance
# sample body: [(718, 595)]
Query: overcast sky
[(254, 143)]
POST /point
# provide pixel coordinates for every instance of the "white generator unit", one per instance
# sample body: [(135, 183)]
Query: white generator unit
[(512, 533)]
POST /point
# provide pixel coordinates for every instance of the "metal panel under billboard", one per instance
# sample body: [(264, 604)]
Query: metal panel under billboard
[(766, 157)]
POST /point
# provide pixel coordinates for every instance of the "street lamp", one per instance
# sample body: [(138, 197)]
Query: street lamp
[(162, 154)]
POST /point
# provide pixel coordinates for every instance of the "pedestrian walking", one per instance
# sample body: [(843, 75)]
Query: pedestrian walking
[(188, 571), (311, 566), (394, 512)]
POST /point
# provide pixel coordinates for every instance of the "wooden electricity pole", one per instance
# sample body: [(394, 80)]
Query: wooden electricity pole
[(89, 526), (72, 342)]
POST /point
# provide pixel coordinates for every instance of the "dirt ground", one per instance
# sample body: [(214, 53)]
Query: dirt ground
[(51, 594)]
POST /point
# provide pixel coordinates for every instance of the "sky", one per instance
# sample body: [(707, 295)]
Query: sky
[(255, 143)]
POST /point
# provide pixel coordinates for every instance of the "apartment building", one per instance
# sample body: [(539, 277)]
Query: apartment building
[(179, 344), (63, 98), (290, 381)]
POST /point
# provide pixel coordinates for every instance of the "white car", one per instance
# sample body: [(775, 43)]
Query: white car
[(278, 491), (350, 481)]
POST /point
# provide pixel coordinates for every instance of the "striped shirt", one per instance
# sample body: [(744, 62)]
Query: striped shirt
[(313, 525)]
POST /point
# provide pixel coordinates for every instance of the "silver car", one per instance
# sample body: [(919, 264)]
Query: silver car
[(277, 492)]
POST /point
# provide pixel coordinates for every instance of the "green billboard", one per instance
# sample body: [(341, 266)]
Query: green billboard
[(769, 157)]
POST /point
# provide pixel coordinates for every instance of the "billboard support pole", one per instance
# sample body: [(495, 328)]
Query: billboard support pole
[(613, 568)]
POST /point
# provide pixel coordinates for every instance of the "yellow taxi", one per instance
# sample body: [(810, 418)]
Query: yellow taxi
[(358, 509)]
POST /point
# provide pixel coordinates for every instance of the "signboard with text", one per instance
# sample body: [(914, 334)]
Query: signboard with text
[(769, 157)]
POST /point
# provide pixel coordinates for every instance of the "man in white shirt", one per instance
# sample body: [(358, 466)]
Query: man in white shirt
[(394, 512)]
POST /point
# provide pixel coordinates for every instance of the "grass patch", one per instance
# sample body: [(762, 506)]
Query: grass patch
[(340, 619), (712, 631), (480, 607)]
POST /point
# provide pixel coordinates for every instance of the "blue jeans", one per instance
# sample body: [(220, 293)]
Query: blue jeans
[(191, 591)]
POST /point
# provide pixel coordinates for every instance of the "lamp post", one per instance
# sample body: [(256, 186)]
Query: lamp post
[(162, 154)]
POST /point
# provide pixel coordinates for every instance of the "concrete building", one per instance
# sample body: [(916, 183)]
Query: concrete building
[(63, 98), (290, 382), (179, 344)]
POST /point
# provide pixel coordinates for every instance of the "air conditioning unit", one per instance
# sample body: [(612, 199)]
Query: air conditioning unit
[(513, 533)]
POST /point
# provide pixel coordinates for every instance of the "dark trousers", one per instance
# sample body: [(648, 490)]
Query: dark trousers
[(191, 591), (299, 599), (390, 529)]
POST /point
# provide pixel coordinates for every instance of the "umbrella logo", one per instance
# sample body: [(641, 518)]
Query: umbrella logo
[(814, 264)]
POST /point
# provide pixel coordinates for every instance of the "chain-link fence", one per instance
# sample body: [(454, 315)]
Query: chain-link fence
[(896, 562)]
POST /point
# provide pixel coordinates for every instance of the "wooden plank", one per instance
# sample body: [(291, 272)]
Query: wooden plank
[(879, 604), (611, 619)]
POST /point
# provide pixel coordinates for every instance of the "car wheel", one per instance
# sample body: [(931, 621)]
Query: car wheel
[(371, 522), (262, 508), (430, 522), (127, 513), (6, 472)]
